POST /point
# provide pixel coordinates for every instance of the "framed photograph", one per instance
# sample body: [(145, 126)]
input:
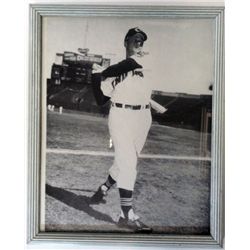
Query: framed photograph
[(126, 125)]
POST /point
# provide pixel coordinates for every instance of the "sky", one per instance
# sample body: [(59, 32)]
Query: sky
[(181, 51)]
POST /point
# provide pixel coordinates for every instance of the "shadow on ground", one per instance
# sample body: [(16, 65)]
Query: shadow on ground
[(79, 202)]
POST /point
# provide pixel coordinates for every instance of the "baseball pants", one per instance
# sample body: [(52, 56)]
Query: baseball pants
[(128, 129)]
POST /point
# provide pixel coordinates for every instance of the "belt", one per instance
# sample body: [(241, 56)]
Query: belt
[(127, 106)]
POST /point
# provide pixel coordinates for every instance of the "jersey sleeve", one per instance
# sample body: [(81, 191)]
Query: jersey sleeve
[(120, 68)]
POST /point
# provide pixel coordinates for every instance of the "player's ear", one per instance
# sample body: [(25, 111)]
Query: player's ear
[(125, 43)]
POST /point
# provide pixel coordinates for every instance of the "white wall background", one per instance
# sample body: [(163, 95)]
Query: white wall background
[(181, 51), (13, 103)]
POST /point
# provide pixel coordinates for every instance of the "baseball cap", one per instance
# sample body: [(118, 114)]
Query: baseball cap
[(134, 31)]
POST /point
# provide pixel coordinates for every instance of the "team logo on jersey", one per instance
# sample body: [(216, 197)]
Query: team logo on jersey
[(138, 73), (123, 76)]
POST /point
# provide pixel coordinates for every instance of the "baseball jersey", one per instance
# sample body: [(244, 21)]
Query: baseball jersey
[(133, 85)]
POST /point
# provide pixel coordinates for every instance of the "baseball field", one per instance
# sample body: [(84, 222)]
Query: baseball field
[(172, 189)]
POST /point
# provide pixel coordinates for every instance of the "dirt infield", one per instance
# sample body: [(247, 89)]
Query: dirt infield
[(172, 196)]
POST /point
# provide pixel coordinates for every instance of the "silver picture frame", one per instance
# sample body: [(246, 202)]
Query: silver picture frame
[(35, 129)]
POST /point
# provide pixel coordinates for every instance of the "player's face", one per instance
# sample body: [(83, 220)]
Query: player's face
[(134, 44)]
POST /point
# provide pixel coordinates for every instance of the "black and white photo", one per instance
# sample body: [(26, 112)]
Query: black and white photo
[(173, 58)]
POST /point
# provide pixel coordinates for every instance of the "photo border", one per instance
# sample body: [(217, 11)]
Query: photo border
[(35, 108)]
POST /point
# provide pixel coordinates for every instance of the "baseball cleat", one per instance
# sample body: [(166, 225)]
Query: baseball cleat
[(99, 195), (133, 223)]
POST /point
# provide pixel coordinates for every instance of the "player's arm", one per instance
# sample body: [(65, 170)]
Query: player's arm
[(118, 72), (120, 68)]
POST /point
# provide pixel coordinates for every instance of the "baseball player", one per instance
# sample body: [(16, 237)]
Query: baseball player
[(129, 89)]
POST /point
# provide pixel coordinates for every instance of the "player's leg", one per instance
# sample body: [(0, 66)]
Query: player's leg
[(128, 219), (126, 172), (144, 121), (128, 141), (102, 191)]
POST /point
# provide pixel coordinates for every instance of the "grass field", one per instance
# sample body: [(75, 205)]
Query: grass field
[(171, 195)]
